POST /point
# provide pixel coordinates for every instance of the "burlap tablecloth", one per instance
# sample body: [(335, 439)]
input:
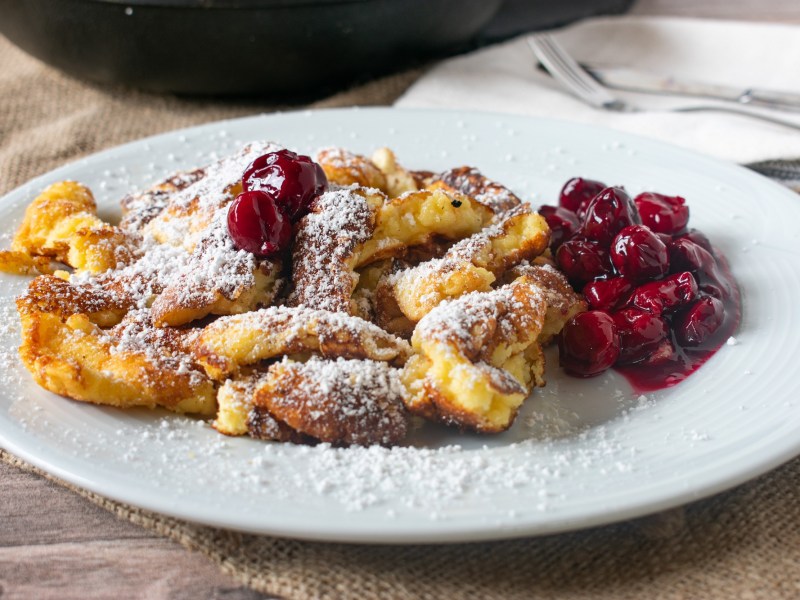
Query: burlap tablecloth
[(741, 544)]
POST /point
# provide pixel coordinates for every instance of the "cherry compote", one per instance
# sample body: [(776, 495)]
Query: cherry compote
[(563, 224), (258, 225), (578, 192), (607, 214), (583, 260), (662, 214), (588, 344), (639, 254), (608, 294), (291, 179), (661, 300), (640, 333), (277, 190)]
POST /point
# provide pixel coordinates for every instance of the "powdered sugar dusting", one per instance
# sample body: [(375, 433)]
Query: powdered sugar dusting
[(326, 242), (293, 323), (465, 319), (186, 247), (191, 208), (179, 456), (355, 401), (215, 266), (12, 374), (166, 349)]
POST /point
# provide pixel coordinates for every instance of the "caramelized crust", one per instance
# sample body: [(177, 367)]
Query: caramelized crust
[(470, 181), (339, 401), (237, 414), (128, 365), (141, 208), (103, 306), (241, 340), (342, 402)]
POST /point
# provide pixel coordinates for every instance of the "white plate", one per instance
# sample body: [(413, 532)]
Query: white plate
[(583, 452)]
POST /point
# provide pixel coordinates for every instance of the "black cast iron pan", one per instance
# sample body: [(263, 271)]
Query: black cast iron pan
[(238, 46), (268, 47)]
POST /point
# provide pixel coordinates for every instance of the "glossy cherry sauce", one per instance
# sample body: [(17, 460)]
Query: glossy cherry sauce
[(685, 361), (661, 300)]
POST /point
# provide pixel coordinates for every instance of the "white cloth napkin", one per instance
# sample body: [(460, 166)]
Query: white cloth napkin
[(504, 78)]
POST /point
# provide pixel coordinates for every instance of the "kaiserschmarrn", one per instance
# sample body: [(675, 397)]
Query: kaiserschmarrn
[(402, 295)]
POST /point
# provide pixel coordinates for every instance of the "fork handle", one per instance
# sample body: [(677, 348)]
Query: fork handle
[(770, 99)]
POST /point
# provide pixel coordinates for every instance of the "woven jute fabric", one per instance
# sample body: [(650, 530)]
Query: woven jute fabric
[(48, 119), (741, 544)]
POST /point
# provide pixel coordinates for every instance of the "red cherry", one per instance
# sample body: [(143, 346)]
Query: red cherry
[(582, 261), (686, 255), (608, 294), (667, 294), (698, 238), (578, 192), (292, 180), (257, 224), (640, 334), (664, 237), (639, 254), (699, 322), (588, 344), (563, 224), (662, 214), (609, 212)]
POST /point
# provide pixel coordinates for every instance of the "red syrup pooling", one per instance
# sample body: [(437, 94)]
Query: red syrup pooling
[(685, 361)]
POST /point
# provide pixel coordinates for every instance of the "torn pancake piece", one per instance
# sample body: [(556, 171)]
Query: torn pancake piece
[(398, 180), (346, 168), (470, 265), (236, 414), (62, 224), (474, 364), (216, 278), (131, 364), (232, 342), (563, 302), (341, 402), (328, 245)]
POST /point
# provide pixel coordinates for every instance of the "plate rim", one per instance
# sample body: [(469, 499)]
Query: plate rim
[(482, 532)]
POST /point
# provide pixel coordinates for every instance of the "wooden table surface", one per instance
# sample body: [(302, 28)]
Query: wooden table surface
[(55, 544)]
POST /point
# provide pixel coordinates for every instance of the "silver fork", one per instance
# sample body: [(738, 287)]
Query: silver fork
[(572, 76)]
